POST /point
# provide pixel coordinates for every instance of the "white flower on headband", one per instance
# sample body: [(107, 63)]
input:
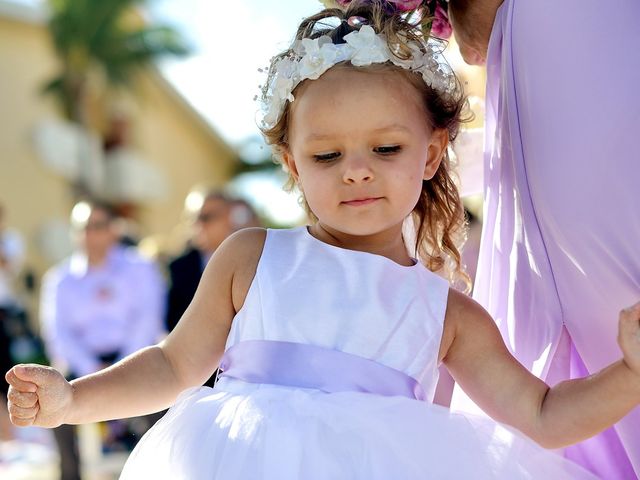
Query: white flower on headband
[(368, 47), (415, 61), (310, 58), (320, 55), (280, 90), (436, 79)]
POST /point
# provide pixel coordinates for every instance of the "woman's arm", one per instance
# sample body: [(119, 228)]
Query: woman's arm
[(473, 351), (150, 379)]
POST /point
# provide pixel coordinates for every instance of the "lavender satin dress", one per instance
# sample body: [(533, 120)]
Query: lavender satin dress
[(560, 253)]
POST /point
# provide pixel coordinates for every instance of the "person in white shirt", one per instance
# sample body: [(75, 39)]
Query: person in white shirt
[(98, 306), (11, 260)]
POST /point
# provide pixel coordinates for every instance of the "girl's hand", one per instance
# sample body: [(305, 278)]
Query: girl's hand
[(629, 337), (38, 396)]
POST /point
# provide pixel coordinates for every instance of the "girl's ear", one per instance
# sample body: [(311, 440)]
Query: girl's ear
[(290, 163), (435, 151)]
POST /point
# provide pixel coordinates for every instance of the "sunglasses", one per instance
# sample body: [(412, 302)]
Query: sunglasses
[(207, 217), (96, 226)]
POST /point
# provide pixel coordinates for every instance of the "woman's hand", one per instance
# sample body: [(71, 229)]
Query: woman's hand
[(629, 337), (38, 396)]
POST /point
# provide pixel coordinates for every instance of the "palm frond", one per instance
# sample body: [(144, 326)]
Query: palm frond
[(106, 35)]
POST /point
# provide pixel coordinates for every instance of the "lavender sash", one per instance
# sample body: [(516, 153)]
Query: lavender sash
[(308, 366)]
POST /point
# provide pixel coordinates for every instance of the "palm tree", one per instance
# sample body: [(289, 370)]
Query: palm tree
[(101, 45), (103, 38)]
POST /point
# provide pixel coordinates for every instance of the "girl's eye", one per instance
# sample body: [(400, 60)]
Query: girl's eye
[(387, 149), (326, 157)]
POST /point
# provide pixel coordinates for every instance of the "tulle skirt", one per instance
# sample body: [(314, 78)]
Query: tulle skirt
[(248, 431)]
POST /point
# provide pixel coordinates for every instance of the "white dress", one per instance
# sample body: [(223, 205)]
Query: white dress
[(309, 292)]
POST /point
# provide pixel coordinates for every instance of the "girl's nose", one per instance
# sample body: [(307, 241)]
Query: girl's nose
[(357, 171)]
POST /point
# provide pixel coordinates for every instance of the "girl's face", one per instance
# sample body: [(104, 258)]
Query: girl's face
[(359, 147)]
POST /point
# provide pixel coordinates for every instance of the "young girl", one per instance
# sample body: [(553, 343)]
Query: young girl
[(330, 336)]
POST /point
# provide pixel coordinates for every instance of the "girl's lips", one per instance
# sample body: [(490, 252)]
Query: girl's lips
[(361, 201)]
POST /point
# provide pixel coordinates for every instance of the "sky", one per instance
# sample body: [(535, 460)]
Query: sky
[(231, 43)]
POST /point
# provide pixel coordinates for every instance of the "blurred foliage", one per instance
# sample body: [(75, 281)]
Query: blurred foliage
[(107, 39), (266, 165)]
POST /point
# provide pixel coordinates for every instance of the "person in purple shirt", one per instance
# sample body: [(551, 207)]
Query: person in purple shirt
[(559, 253), (98, 306)]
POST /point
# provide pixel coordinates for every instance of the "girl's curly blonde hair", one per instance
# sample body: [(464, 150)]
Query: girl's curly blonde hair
[(438, 217)]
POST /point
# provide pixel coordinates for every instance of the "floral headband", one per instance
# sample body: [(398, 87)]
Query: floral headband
[(310, 58)]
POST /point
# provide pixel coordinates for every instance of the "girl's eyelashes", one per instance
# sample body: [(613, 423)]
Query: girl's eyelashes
[(326, 157), (381, 150), (387, 149)]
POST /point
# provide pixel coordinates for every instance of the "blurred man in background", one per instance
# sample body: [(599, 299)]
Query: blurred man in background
[(11, 261), (98, 306), (218, 217)]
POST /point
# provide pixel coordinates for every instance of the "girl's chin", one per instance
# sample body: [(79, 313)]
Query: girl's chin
[(361, 229)]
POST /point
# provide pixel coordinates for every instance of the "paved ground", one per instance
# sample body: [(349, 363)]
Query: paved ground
[(33, 456)]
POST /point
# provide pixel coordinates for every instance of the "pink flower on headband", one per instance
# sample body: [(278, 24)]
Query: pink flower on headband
[(406, 5), (441, 27)]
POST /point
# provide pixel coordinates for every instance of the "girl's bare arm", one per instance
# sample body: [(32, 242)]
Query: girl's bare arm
[(150, 379), (574, 410)]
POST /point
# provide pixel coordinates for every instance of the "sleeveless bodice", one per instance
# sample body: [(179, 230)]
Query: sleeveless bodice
[(307, 291)]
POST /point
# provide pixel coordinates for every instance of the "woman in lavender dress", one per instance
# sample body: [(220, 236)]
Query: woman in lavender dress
[(562, 168)]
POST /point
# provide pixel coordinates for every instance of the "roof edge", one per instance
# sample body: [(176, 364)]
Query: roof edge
[(173, 92)]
